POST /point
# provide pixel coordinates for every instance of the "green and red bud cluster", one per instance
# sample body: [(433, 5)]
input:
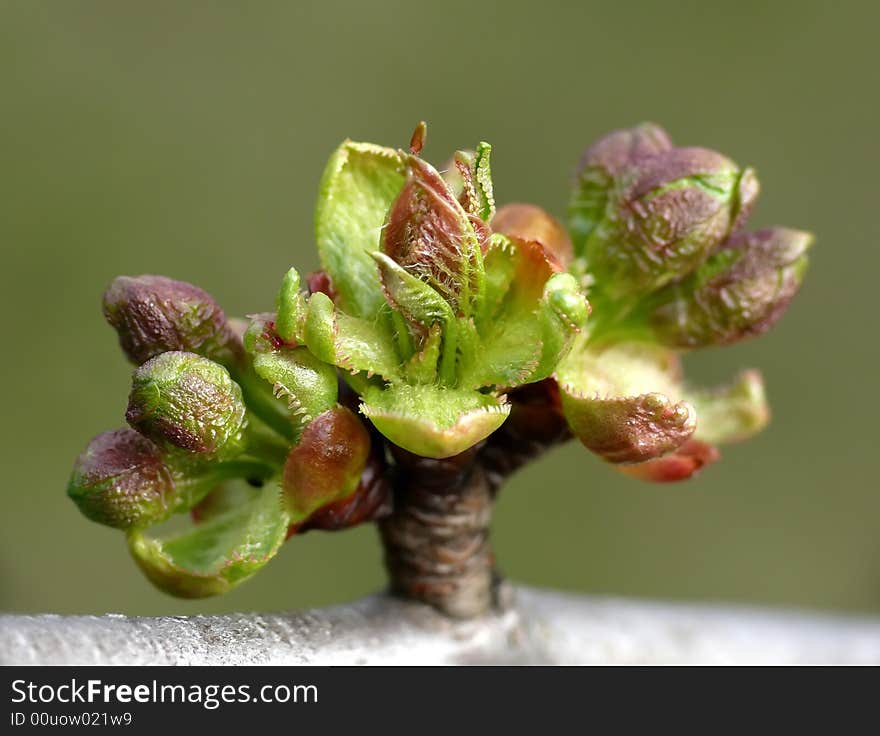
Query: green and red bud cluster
[(435, 320), (194, 430)]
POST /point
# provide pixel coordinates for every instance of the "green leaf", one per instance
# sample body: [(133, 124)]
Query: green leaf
[(308, 385), (350, 343), (415, 299), (421, 306), (359, 185), (731, 413), (528, 318), (422, 366), (291, 306), (474, 181), (218, 554), (621, 402), (434, 421)]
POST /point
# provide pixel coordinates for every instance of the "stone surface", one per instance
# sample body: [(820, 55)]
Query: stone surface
[(539, 627)]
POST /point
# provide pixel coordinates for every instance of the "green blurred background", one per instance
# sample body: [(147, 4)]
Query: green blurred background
[(188, 139)]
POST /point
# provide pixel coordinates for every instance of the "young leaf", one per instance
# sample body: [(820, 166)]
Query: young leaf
[(475, 179), (529, 315), (612, 402), (216, 555), (351, 343), (308, 385), (731, 413), (433, 421), (432, 237), (359, 185)]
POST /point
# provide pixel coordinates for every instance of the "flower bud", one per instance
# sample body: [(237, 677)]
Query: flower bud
[(624, 150), (186, 402), (528, 222), (154, 314), (604, 165), (326, 464), (741, 291), (682, 205), (122, 480), (645, 213)]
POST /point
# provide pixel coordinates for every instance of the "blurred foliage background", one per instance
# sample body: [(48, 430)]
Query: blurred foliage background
[(188, 139)]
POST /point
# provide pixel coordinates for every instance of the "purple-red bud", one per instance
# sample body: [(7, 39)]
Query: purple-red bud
[(155, 314)]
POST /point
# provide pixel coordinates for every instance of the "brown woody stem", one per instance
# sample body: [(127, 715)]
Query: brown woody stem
[(437, 547), (437, 539)]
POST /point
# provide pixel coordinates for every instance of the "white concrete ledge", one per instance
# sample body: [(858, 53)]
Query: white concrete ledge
[(540, 627)]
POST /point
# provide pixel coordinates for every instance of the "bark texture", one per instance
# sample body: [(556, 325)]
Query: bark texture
[(437, 545), (437, 539)]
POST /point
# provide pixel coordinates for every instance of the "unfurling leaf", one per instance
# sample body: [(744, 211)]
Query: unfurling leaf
[(620, 402), (360, 183), (528, 222), (218, 554), (629, 429), (350, 343), (475, 176), (528, 318), (291, 307), (433, 421), (432, 237), (308, 385), (682, 464), (731, 413)]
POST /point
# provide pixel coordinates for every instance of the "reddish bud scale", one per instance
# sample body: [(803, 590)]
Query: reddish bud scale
[(528, 222), (371, 500), (320, 281), (682, 464), (536, 412), (327, 463)]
